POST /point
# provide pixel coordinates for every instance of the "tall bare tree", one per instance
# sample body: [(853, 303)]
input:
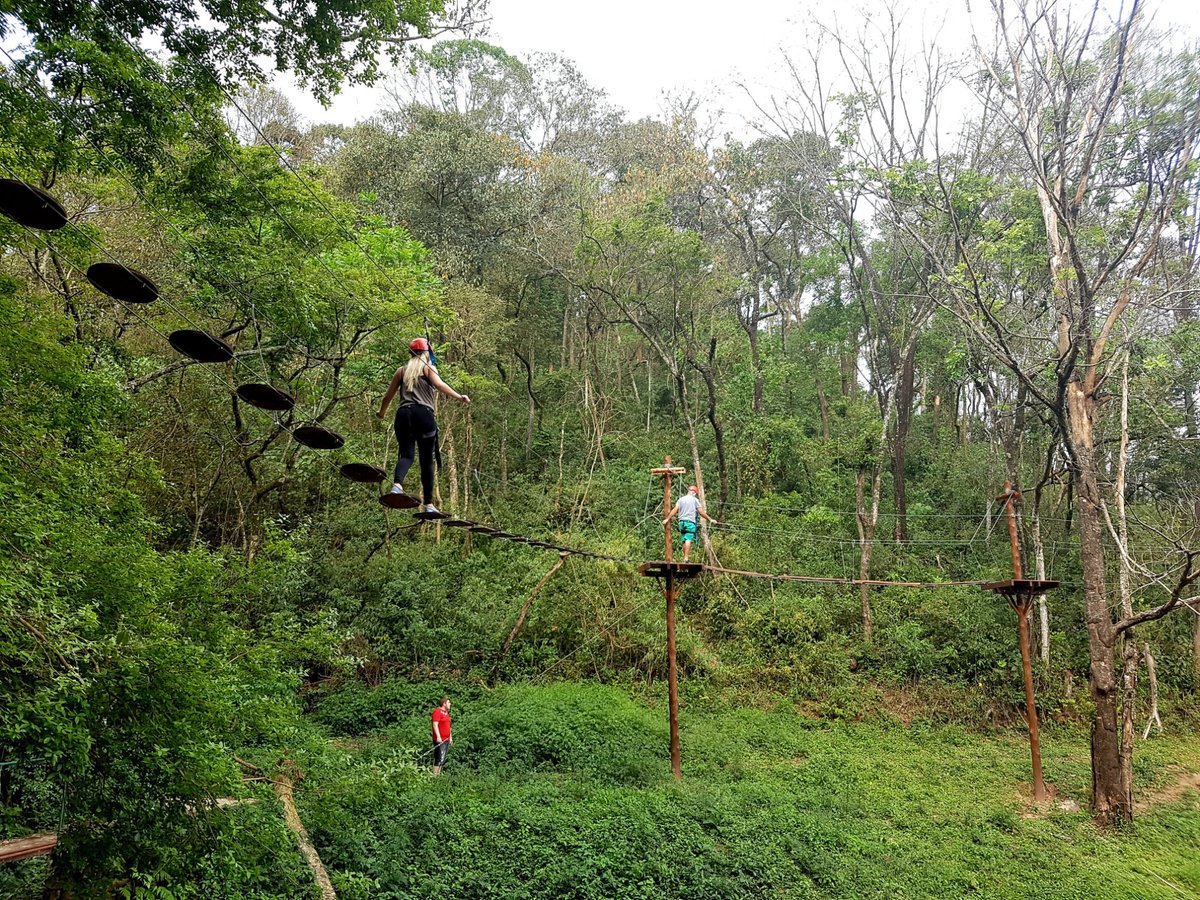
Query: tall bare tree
[(1103, 131)]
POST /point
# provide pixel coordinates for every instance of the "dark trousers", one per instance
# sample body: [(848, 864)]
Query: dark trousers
[(416, 431)]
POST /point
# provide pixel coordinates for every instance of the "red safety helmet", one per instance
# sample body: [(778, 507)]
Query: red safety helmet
[(692, 489), (418, 345)]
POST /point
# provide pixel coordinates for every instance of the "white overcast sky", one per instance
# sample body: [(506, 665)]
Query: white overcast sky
[(638, 50)]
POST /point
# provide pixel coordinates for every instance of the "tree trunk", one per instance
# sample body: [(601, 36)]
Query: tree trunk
[(823, 403), (504, 455), (1039, 565), (1196, 648), (710, 383), (1129, 650), (1153, 719), (694, 446), (866, 539), (452, 460), (1195, 605), (755, 362), (1111, 801), (525, 611), (904, 405), (283, 790)]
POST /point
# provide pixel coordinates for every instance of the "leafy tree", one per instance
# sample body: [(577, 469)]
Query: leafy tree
[(325, 47)]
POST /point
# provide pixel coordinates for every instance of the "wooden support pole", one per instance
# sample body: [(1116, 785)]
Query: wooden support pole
[(666, 471), (1008, 496), (667, 542), (673, 679), (1020, 601), (1035, 746)]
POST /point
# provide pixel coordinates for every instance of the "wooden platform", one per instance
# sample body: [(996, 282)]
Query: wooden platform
[(1020, 586), (32, 845), (659, 568), (430, 516)]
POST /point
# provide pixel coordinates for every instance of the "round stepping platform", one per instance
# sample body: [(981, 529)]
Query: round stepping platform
[(482, 529), (264, 396), (458, 523), (363, 472), (200, 346), (431, 516), (30, 206), (122, 283), (318, 437), (399, 501)]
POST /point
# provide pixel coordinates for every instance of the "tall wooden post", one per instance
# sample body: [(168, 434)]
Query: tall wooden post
[(1020, 600), (672, 678), (666, 471)]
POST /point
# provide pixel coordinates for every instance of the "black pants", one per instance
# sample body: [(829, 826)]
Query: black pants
[(416, 430)]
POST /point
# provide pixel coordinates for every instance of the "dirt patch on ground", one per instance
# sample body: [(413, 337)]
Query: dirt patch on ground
[(1172, 793), (1051, 805), (1183, 783)]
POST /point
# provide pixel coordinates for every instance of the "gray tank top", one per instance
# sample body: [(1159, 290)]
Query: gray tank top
[(422, 393)]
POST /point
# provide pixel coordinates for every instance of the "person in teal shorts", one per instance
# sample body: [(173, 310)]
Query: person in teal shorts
[(689, 510)]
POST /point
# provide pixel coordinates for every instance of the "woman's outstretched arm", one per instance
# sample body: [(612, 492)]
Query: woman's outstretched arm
[(432, 374)]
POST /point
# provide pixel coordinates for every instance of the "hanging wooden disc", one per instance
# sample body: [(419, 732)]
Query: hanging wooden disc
[(318, 437), (399, 501), (122, 283), (363, 472), (200, 346), (264, 396), (457, 523), (482, 529), (30, 206)]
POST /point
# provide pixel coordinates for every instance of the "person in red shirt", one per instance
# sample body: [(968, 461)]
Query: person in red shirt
[(441, 735)]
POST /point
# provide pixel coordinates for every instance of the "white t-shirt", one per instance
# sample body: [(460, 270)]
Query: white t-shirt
[(689, 508)]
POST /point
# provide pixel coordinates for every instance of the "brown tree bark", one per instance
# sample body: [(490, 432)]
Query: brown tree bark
[(1112, 800), (904, 406), (866, 540)]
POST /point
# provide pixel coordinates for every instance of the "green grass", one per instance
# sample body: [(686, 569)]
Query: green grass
[(564, 791)]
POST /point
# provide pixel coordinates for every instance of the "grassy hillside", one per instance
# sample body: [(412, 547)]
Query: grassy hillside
[(565, 791)]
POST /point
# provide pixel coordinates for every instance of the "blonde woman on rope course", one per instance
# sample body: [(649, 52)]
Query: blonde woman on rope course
[(418, 383)]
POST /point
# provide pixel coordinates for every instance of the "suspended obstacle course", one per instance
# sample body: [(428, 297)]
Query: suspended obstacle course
[(34, 208)]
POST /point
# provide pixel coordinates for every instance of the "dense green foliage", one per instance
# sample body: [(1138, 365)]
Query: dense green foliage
[(773, 802), (192, 604)]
